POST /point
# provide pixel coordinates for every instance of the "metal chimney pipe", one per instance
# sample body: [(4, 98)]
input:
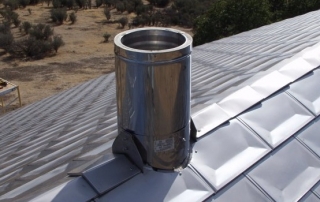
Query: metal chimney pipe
[(153, 72)]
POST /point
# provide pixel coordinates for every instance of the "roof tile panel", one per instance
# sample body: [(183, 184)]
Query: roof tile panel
[(225, 153), (239, 190), (277, 118), (288, 173)]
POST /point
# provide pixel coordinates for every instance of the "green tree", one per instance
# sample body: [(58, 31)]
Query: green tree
[(73, 17), (120, 7), (228, 17), (299, 7), (6, 39), (24, 3), (98, 3), (12, 4), (41, 32), (159, 3), (26, 26), (107, 13), (81, 3), (58, 15), (123, 21), (57, 42)]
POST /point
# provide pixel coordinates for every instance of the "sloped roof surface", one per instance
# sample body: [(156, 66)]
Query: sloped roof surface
[(256, 122)]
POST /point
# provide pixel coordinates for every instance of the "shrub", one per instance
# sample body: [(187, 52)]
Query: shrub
[(10, 16), (107, 13), (30, 47), (41, 32), (38, 44), (5, 27), (73, 17), (59, 15), (12, 4), (57, 42), (6, 39), (81, 3), (98, 3), (33, 2), (109, 3), (142, 9), (129, 7), (106, 37), (56, 3), (24, 3), (69, 4), (123, 21), (16, 21), (26, 26), (120, 7), (159, 3)]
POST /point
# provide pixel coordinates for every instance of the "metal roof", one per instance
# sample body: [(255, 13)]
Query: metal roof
[(255, 106)]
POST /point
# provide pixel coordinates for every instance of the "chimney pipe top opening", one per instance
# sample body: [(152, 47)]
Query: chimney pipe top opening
[(153, 39)]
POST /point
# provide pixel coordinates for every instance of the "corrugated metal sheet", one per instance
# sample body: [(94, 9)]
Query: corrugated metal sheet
[(269, 138)]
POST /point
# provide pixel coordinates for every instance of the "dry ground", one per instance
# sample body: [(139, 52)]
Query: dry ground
[(85, 56)]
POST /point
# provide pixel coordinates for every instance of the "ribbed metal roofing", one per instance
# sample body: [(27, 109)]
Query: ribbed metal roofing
[(255, 100)]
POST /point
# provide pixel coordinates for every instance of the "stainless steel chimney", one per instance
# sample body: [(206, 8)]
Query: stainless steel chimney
[(153, 71)]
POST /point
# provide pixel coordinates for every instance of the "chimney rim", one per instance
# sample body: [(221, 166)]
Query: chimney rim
[(187, 40)]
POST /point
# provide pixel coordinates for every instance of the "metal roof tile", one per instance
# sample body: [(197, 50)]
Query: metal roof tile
[(316, 189), (271, 83), (33, 184), (310, 136), (276, 118), (110, 174), (161, 186), (208, 118), (288, 173), (309, 197), (240, 100), (307, 92), (225, 153), (239, 190), (74, 190)]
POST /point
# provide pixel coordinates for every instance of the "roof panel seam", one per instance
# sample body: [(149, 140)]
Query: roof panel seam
[(258, 187)]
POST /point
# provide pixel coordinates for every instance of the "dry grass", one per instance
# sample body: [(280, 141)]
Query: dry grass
[(84, 56)]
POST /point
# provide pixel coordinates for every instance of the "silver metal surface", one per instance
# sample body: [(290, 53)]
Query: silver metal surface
[(110, 174), (153, 73), (207, 119), (309, 197), (307, 91), (271, 83), (226, 152), (288, 173), (240, 100), (161, 187), (75, 190), (241, 190), (310, 136), (316, 189), (277, 118), (296, 68)]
